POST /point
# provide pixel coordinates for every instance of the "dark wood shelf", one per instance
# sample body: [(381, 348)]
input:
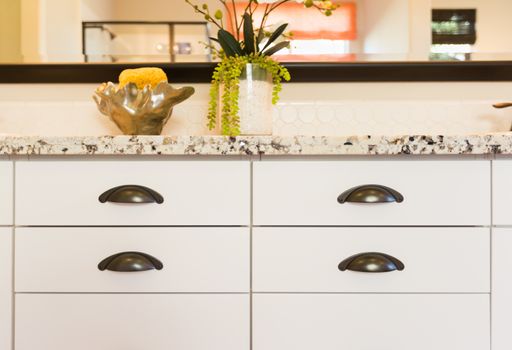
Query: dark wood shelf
[(301, 72)]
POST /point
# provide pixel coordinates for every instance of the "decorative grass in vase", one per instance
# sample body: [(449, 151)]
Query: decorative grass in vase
[(247, 81)]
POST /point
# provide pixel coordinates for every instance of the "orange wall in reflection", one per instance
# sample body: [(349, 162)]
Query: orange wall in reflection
[(307, 23)]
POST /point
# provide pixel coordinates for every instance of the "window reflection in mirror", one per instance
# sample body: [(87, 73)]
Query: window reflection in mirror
[(150, 41), (39, 31)]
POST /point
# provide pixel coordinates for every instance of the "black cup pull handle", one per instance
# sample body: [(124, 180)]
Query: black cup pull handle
[(131, 194), (130, 262), (370, 194), (371, 262)]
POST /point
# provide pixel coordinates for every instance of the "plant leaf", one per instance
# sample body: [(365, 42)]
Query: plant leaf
[(229, 44), (276, 47), (248, 35), (275, 35), (261, 35)]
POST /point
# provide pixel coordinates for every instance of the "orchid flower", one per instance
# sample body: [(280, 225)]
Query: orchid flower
[(253, 42)]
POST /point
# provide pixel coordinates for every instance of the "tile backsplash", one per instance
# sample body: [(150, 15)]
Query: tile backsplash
[(356, 117), (390, 118)]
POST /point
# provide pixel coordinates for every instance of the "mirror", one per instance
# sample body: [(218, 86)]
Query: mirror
[(74, 31)]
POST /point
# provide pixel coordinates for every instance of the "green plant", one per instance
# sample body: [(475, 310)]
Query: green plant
[(227, 73), (246, 43)]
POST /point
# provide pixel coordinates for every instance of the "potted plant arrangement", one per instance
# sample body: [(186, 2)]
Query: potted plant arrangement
[(247, 81)]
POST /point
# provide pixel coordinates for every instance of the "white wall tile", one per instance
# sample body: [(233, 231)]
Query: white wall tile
[(305, 109)]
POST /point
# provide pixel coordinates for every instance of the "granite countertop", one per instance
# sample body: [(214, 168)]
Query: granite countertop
[(499, 143)]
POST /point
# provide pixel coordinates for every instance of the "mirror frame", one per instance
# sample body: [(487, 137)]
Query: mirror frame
[(301, 72)]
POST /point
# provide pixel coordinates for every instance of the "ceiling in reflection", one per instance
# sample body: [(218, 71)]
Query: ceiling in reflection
[(39, 31)]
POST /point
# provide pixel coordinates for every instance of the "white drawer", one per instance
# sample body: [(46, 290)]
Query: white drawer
[(6, 188), (307, 259), (115, 322), (501, 288), (5, 287), (435, 192), (194, 192), (368, 322), (194, 259), (502, 192)]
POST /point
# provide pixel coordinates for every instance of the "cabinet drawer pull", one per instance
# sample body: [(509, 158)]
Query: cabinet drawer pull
[(371, 262), (130, 262), (131, 194), (502, 105), (370, 194)]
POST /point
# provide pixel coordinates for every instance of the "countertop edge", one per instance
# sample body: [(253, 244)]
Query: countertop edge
[(488, 144)]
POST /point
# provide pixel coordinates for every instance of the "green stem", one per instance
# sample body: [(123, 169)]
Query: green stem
[(236, 20), (239, 27), (264, 19), (211, 19), (277, 4), (252, 10), (228, 15)]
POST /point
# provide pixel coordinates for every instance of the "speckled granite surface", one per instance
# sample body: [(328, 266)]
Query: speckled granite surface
[(257, 145)]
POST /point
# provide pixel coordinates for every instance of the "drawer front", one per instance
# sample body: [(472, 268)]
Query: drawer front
[(6, 196), (502, 192), (194, 192), (501, 288), (5, 287), (194, 259), (307, 259), (112, 322), (434, 192), (367, 322)]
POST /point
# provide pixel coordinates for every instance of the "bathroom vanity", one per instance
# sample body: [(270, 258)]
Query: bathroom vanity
[(325, 241), (6, 257), (255, 243)]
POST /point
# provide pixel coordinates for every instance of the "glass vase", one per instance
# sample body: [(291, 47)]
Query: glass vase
[(255, 101)]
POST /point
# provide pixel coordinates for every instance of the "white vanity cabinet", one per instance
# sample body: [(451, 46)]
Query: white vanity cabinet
[(132, 321), (263, 254), (502, 288), (307, 259), (95, 193), (6, 257), (5, 288), (502, 194), (371, 321), (121, 254), (323, 230), (6, 192), (501, 254), (432, 192), (194, 260)]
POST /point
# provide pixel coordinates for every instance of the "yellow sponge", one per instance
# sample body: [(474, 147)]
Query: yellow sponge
[(142, 77)]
